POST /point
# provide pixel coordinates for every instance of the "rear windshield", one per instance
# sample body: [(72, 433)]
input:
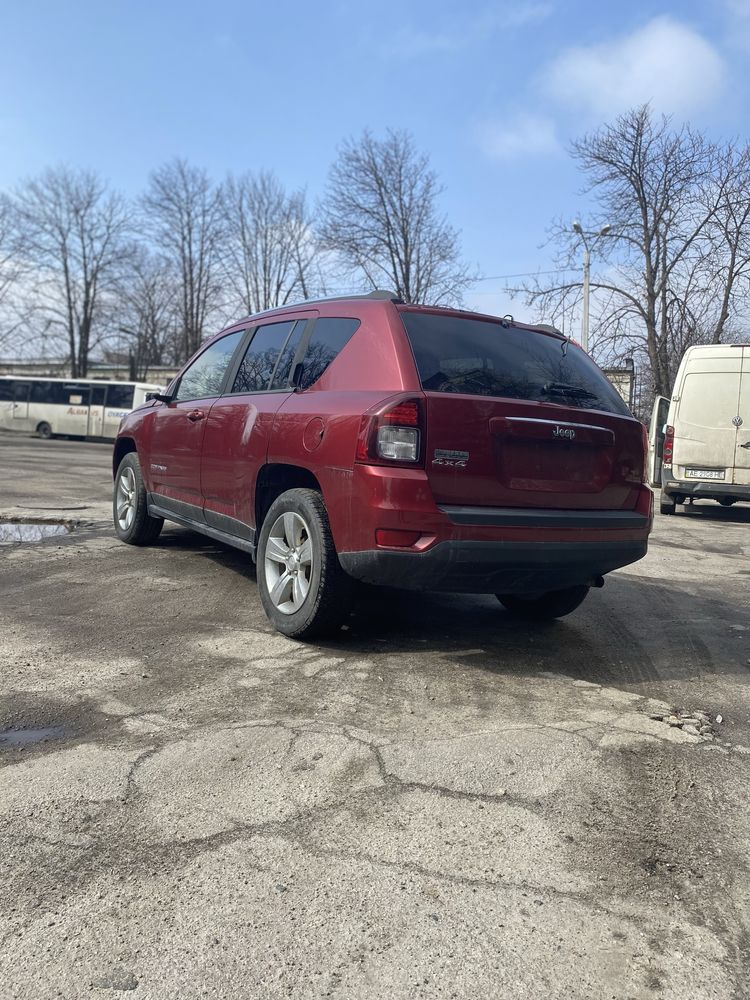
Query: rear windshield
[(482, 358)]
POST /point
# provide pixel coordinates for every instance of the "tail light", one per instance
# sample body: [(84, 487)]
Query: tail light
[(644, 440), (666, 455), (392, 434)]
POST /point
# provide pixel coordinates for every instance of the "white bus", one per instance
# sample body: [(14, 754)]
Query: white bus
[(76, 406)]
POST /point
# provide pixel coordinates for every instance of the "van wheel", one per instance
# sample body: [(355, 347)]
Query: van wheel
[(303, 589), (44, 431), (554, 604), (133, 523), (667, 505)]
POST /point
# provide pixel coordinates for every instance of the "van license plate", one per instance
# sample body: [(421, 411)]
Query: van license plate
[(705, 473)]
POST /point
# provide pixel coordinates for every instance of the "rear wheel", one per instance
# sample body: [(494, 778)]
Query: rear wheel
[(133, 523), (553, 604), (303, 589), (44, 430), (667, 505)]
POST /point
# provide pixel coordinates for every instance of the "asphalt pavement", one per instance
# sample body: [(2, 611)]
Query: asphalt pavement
[(442, 802)]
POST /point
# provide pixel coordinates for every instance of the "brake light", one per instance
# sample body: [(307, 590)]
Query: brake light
[(666, 455), (392, 434), (644, 443)]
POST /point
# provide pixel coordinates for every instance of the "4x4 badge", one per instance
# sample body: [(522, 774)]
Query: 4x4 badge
[(448, 456)]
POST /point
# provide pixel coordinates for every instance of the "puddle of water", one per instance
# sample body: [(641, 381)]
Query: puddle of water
[(27, 737), (28, 530)]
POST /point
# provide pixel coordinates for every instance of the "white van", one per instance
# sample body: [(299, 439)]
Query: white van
[(700, 439)]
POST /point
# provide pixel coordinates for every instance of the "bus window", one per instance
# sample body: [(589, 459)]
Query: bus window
[(6, 389), (97, 395), (120, 397), (41, 392)]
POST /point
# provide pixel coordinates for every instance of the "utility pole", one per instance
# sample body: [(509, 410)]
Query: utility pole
[(578, 228)]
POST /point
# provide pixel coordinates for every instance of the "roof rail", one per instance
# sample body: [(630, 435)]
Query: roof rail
[(378, 293)]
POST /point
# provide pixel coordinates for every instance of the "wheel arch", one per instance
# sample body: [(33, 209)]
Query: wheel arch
[(123, 446), (275, 478)]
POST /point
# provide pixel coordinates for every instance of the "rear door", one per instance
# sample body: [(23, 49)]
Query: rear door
[(20, 409), (742, 422), (659, 414), (705, 429), (239, 426), (520, 418)]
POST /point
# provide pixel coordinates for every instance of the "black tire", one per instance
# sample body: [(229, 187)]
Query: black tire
[(545, 607), (667, 505), (328, 599), (44, 431), (727, 501), (141, 529)]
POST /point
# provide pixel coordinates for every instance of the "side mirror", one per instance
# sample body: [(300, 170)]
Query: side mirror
[(160, 397)]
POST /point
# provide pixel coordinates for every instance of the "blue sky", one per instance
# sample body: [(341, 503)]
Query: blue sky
[(493, 92)]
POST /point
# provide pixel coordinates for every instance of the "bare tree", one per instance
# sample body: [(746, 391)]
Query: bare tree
[(380, 217), (269, 249), (148, 313), (676, 257), (183, 215), (72, 231), (11, 273)]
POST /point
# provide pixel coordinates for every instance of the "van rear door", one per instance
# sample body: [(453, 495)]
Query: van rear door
[(742, 419), (520, 417), (659, 415), (705, 431)]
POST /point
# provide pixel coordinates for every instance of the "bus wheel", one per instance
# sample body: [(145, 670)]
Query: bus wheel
[(44, 430), (133, 523)]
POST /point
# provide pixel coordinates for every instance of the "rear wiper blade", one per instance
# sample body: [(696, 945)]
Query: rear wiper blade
[(563, 389)]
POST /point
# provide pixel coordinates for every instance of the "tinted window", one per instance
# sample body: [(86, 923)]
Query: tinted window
[(6, 389), (75, 395), (97, 395), (41, 392), (259, 362), (119, 397), (204, 377), (283, 368), (328, 337), (481, 358)]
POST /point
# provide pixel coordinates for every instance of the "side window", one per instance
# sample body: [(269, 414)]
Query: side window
[(97, 395), (258, 365), (6, 389), (41, 392), (204, 377), (120, 397), (283, 368), (328, 338)]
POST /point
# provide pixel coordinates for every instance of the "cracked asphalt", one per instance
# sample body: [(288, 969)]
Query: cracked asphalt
[(440, 803)]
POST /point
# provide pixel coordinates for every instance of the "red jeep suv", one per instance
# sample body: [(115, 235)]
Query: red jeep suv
[(416, 447)]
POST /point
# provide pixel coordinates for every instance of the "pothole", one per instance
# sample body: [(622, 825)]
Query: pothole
[(13, 739), (29, 529)]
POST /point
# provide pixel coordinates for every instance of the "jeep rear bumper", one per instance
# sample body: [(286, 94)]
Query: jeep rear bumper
[(483, 567)]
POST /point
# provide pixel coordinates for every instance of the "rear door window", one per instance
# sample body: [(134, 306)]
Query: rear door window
[(329, 336), (259, 364), (481, 358)]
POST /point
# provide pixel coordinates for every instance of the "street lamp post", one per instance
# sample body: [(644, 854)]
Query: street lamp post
[(577, 228)]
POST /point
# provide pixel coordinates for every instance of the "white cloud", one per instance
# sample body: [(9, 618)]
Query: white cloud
[(664, 62), (468, 31), (521, 134)]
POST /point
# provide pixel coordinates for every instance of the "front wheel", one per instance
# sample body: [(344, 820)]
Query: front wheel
[(554, 604), (44, 431), (133, 523), (303, 589)]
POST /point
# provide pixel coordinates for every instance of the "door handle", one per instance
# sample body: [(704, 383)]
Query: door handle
[(196, 415)]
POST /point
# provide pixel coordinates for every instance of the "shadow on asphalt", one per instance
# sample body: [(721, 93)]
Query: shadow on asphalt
[(636, 629), (708, 510)]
